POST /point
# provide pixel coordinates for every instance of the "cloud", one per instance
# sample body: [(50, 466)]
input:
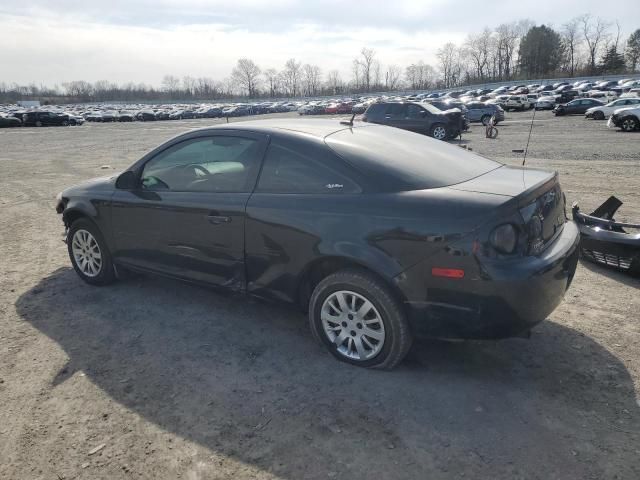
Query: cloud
[(75, 49), (142, 40)]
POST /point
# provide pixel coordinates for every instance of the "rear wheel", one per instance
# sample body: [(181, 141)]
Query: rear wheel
[(359, 320), (629, 124), (438, 131), (38, 123), (89, 254), (598, 115)]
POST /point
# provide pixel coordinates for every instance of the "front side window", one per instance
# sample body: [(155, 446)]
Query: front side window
[(288, 170), (212, 164), (415, 111)]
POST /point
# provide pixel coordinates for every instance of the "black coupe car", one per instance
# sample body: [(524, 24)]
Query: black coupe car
[(577, 106), (381, 234)]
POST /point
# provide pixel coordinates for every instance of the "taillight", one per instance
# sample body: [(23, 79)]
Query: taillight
[(504, 238)]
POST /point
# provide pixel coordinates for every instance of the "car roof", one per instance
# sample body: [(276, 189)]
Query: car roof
[(307, 127)]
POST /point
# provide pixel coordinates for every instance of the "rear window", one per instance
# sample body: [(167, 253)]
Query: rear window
[(398, 160)]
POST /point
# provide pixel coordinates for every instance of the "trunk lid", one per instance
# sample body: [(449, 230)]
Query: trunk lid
[(535, 193)]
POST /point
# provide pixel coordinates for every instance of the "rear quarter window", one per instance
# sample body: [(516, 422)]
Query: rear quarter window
[(290, 168), (376, 109)]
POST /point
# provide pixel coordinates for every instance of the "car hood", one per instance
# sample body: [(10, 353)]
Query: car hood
[(94, 184)]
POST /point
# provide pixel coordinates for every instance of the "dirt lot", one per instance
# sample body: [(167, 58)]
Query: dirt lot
[(151, 378)]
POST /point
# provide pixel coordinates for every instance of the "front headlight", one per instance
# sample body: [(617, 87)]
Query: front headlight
[(504, 238)]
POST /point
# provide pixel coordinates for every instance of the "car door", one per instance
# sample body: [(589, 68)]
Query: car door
[(416, 118), (395, 115), (186, 216), (297, 210)]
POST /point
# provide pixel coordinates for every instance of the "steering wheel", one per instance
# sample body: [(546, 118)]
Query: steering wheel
[(199, 168)]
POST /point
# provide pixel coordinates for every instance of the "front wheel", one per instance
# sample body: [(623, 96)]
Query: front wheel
[(439, 132), (359, 320), (598, 115), (89, 254), (629, 124)]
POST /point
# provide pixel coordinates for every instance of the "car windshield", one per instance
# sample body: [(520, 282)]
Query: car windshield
[(405, 160)]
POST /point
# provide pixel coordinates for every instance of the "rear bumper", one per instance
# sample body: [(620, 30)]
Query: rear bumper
[(502, 299)]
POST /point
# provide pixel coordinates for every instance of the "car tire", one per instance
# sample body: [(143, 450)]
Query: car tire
[(438, 131), (65, 123), (629, 124), (89, 254), (485, 119), (38, 123), (378, 338), (598, 115)]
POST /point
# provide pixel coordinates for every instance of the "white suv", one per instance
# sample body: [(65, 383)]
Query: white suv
[(517, 102)]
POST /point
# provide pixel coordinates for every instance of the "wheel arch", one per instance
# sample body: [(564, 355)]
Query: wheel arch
[(319, 268)]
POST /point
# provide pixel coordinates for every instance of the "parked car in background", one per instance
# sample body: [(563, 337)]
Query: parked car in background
[(602, 95), (75, 119), (626, 119), (600, 112), (8, 122), (417, 117), (482, 112), (126, 116), (547, 102), (110, 116), (146, 116), (576, 106), (629, 85), (417, 239), (44, 119)]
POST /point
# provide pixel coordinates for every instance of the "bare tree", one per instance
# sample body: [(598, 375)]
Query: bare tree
[(170, 84), (447, 56), (478, 47), (291, 76), (595, 33), (366, 62), (246, 74), (188, 85), (311, 75), (392, 77), (273, 80), (377, 75), (356, 69), (571, 40), (420, 76), (507, 41), (334, 82)]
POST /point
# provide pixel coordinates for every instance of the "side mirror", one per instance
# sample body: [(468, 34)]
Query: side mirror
[(127, 181)]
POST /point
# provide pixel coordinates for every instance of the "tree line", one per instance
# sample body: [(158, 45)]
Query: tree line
[(583, 46)]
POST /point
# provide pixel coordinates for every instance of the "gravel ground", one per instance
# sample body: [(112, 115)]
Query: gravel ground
[(150, 378)]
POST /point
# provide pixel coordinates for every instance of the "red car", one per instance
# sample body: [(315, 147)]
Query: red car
[(338, 108)]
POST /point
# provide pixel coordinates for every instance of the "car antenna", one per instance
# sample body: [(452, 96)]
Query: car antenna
[(526, 149), (350, 122)]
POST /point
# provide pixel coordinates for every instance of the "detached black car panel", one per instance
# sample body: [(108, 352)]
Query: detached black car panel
[(607, 242), (380, 233)]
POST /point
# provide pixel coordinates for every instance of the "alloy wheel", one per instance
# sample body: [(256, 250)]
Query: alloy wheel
[(353, 324), (86, 253), (628, 125), (439, 133)]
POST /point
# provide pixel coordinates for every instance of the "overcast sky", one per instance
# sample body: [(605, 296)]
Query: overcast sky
[(54, 41)]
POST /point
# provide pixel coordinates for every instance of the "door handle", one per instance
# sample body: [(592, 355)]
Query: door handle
[(218, 219)]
